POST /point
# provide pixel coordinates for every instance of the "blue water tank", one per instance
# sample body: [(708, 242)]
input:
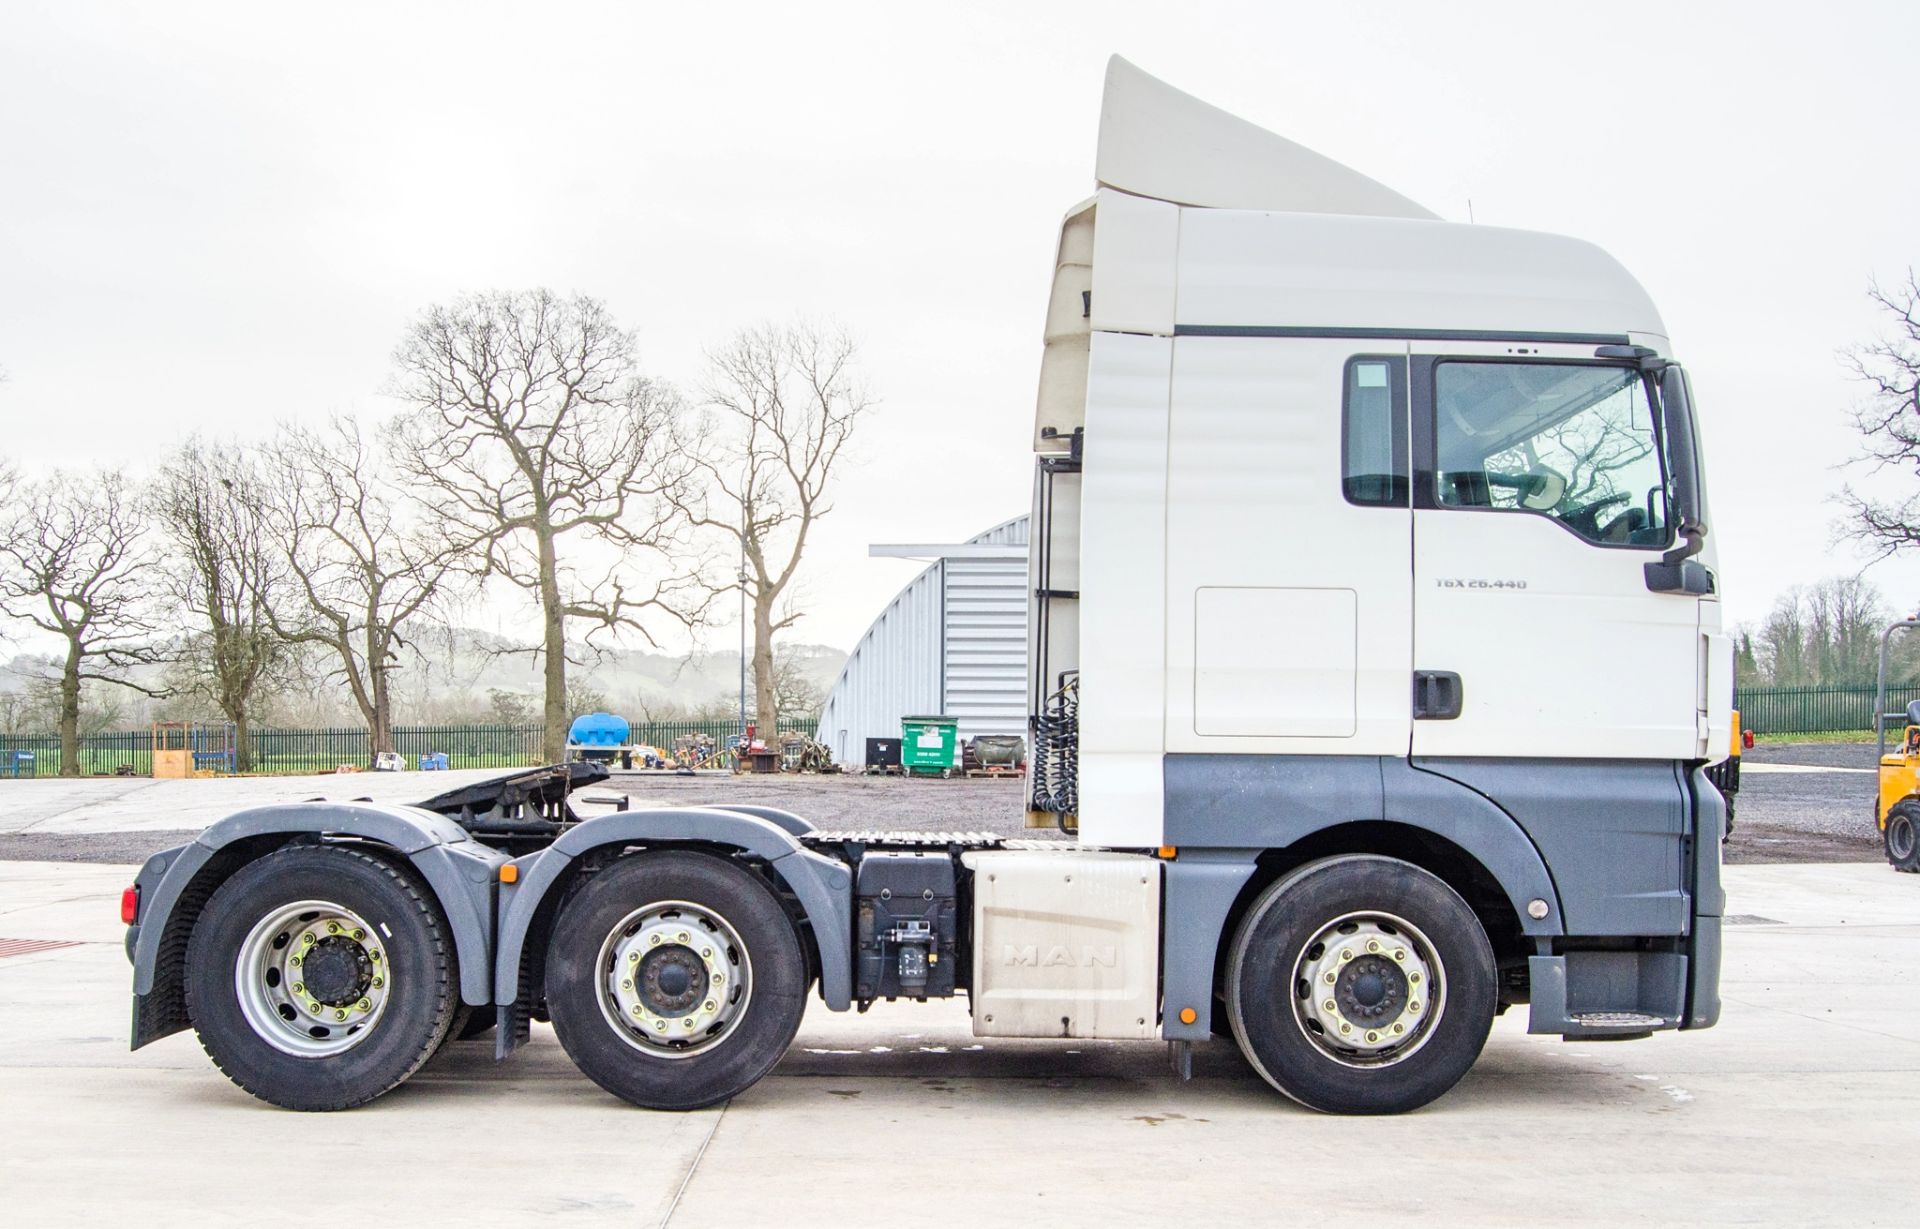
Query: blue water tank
[(599, 730)]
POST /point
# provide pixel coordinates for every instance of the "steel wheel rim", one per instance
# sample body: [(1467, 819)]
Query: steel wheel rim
[(1369, 989), (270, 979), (1900, 837), (674, 979)]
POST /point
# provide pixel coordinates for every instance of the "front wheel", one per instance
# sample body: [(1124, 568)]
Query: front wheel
[(319, 977), (1361, 985), (1903, 844), (675, 979)]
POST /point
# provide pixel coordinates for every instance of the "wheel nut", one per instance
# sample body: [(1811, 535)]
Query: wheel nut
[(314, 1008), (374, 954), (682, 936), (1346, 1028), (1373, 945), (1346, 953), (298, 988), (359, 933), (626, 983), (333, 928), (659, 1026), (294, 961), (307, 938), (707, 952), (636, 1009), (1399, 953), (718, 978), (1330, 979), (1372, 1036), (1414, 978), (633, 957), (1413, 1007), (1329, 1005), (364, 1005), (655, 941), (707, 1006), (379, 982), (340, 1014), (1399, 1028), (687, 1023)]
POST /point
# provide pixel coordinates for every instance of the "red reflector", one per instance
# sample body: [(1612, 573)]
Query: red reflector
[(130, 904)]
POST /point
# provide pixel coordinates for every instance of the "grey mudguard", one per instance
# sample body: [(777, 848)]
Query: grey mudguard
[(823, 886), (1614, 832), (1254, 802), (459, 870)]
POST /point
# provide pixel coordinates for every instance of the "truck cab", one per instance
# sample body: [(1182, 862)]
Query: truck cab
[(1376, 666)]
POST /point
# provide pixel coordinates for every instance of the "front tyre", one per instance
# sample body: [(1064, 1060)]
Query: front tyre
[(675, 979), (1903, 842), (1361, 985), (320, 977)]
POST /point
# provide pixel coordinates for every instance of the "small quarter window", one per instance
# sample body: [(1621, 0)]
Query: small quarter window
[(1374, 433)]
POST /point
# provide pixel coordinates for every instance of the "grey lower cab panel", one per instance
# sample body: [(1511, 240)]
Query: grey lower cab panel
[(1613, 832)]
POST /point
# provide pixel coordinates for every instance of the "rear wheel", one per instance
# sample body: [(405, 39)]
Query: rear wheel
[(320, 977), (1903, 843), (1361, 985), (675, 979)]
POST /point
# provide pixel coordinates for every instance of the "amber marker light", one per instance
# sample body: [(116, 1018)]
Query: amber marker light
[(1188, 1015), (509, 873), (1169, 852)]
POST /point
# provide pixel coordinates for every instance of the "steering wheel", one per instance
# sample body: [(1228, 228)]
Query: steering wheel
[(1586, 518)]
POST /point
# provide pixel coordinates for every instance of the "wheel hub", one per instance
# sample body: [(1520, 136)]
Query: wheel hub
[(312, 979), (675, 978), (1367, 989), (337, 971)]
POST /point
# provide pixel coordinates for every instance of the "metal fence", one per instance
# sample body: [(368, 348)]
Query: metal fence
[(130, 752), (1814, 710)]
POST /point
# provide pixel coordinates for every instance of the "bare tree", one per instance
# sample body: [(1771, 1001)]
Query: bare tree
[(212, 503), (360, 575), (1889, 421), (77, 566), (554, 465), (787, 400)]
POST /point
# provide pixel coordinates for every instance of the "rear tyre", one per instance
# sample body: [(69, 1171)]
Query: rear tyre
[(675, 979), (1361, 985), (1902, 839), (320, 977)]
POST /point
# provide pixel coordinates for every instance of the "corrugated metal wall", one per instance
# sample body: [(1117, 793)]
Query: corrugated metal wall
[(954, 642)]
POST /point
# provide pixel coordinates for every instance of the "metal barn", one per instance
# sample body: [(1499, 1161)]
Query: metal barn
[(953, 642)]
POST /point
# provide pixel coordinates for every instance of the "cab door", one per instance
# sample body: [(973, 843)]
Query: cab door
[(1540, 493)]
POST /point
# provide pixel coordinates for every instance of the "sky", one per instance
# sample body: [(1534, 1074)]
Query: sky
[(217, 217)]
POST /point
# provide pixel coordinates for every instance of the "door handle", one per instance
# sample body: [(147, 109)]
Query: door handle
[(1437, 695)]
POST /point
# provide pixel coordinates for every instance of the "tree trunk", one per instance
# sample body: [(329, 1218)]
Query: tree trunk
[(380, 724), (553, 736), (242, 742), (70, 714), (765, 706)]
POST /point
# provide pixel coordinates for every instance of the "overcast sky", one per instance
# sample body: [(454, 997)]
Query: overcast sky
[(214, 217)]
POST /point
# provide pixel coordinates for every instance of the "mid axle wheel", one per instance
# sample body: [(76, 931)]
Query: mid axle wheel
[(675, 979)]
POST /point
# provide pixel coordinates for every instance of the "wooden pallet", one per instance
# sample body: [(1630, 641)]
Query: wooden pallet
[(995, 770)]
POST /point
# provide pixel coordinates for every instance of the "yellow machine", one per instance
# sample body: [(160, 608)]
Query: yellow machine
[(1897, 809)]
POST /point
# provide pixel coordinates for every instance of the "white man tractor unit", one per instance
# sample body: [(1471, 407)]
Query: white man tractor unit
[(1343, 516)]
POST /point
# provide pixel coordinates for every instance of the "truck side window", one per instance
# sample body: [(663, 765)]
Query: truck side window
[(1374, 433), (1571, 441)]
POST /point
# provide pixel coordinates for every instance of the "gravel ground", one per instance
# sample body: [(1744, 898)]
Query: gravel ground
[(1808, 816), (1792, 816)]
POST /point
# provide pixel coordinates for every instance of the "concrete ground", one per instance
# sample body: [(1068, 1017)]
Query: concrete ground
[(1798, 1109)]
